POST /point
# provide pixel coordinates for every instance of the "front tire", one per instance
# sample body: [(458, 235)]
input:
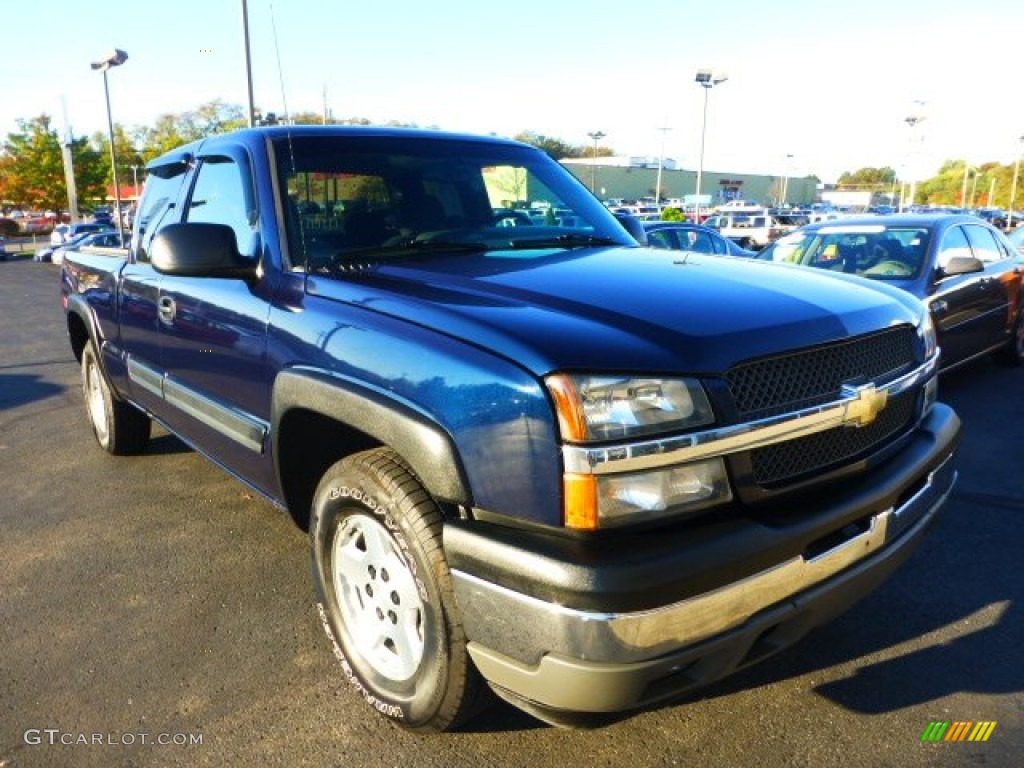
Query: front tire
[(385, 594), (120, 428)]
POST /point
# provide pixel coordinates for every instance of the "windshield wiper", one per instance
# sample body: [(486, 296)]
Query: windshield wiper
[(570, 240), (411, 247)]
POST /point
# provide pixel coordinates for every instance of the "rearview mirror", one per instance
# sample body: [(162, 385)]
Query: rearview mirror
[(961, 265), (199, 250)]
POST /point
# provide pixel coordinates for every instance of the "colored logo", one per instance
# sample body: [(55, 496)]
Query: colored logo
[(958, 730), (868, 403)]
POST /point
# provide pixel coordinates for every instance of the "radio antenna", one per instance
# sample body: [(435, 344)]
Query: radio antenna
[(280, 70)]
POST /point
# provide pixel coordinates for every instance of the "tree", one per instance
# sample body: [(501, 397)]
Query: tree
[(869, 178), (32, 169), (127, 154), (559, 149), (172, 130)]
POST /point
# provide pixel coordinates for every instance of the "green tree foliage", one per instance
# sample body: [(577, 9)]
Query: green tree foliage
[(868, 178), (672, 214), (559, 149), (127, 154), (173, 130), (32, 169)]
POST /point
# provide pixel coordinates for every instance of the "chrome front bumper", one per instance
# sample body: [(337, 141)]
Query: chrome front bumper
[(575, 660)]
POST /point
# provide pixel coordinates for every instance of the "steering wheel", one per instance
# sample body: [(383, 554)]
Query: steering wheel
[(890, 268)]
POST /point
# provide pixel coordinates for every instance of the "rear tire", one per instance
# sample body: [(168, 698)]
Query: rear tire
[(120, 428), (385, 594)]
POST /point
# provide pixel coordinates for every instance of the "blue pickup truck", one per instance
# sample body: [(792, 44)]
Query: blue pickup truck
[(533, 456)]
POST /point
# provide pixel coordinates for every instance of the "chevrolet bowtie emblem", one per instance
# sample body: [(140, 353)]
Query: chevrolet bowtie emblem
[(866, 404)]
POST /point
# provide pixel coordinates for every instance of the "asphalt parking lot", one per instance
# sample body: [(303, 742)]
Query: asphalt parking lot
[(153, 612)]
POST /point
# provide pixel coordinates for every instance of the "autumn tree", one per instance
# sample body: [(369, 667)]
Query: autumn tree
[(32, 169)]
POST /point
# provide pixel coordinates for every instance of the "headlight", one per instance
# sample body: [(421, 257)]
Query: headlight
[(926, 332), (617, 407)]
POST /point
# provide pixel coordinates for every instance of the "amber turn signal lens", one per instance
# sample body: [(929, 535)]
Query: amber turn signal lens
[(580, 502)]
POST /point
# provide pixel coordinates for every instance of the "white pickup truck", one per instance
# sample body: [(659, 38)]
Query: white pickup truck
[(750, 229)]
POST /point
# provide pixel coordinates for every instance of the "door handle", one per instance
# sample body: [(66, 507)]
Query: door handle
[(165, 309)]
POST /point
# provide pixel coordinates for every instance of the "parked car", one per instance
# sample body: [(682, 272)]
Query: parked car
[(750, 230), (103, 215), (1016, 238), (68, 232), (3, 248), (511, 217), (58, 236), (106, 239), (963, 268), (685, 236)]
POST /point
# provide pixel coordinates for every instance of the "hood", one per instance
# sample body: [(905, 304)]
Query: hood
[(622, 309)]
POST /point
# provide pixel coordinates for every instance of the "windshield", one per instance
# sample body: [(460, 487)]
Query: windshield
[(876, 251), (373, 197)]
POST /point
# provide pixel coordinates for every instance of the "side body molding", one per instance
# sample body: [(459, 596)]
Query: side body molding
[(419, 440)]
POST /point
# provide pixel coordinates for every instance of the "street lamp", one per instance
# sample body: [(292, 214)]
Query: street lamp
[(661, 165), (913, 121), (115, 58), (707, 80), (1013, 189), (963, 185), (785, 181), (596, 136)]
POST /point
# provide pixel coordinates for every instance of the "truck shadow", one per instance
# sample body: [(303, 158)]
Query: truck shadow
[(17, 389), (957, 600), (165, 444)]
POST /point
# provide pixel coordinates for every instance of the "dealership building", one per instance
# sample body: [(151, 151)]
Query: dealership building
[(633, 178)]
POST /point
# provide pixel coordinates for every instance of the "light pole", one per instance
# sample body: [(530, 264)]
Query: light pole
[(785, 182), (913, 121), (661, 165), (248, 62), (1013, 189), (596, 136), (963, 186), (115, 58), (707, 80)]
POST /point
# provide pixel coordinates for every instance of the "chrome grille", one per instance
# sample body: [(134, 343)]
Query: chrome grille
[(778, 464), (803, 379)]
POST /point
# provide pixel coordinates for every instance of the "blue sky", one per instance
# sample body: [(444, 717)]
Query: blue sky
[(822, 82)]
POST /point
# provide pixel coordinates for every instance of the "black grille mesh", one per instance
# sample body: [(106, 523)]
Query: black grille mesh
[(774, 385), (787, 461)]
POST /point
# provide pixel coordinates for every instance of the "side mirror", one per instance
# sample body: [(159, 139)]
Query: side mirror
[(634, 226), (961, 265), (199, 250)]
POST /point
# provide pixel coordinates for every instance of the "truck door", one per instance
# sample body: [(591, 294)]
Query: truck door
[(214, 330), (140, 286)]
